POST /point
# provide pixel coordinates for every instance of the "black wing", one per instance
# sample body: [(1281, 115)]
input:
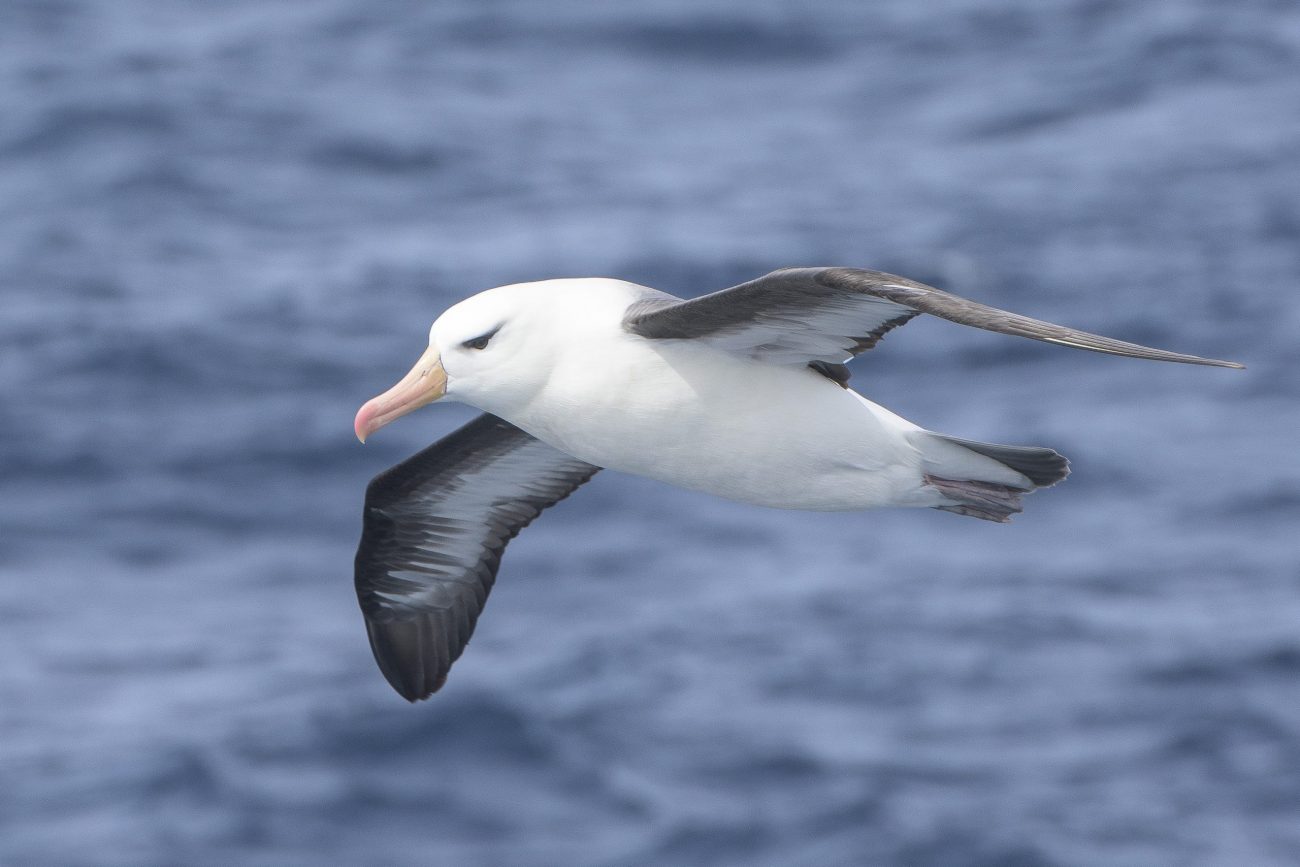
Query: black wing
[(432, 536), (824, 316)]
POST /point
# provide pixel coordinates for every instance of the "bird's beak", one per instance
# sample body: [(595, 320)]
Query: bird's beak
[(426, 382)]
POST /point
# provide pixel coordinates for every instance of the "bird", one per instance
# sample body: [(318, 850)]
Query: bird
[(742, 393)]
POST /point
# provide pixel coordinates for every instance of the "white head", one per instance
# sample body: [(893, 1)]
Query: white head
[(497, 349)]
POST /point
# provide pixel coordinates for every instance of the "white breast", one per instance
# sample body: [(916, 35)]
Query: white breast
[(700, 418)]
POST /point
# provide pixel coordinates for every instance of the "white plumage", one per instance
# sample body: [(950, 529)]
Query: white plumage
[(741, 394), (685, 412)]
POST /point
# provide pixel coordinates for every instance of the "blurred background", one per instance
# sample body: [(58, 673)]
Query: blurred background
[(225, 226)]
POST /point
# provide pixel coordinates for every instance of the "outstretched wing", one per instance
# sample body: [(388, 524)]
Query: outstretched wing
[(824, 316), (432, 536)]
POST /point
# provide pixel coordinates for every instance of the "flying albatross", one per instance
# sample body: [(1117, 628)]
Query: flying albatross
[(742, 393)]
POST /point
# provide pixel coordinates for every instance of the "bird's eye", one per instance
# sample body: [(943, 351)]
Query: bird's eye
[(481, 341)]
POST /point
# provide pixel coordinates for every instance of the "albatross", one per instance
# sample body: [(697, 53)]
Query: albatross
[(742, 393)]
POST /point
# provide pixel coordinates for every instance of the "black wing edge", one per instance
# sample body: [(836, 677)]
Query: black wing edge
[(661, 317), (416, 648), (954, 308)]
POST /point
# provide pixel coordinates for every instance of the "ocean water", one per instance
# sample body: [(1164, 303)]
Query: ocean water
[(224, 226)]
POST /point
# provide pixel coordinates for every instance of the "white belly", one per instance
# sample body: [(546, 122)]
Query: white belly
[(703, 419)]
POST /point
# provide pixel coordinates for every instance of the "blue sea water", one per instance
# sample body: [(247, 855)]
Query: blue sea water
[(224, 226)]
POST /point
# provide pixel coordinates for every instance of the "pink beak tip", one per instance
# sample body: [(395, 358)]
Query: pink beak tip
[(425, 383), (361, 424)]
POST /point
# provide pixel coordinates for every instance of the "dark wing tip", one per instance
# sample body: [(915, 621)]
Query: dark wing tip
[(429, 551), (410, 655), (954, 308)]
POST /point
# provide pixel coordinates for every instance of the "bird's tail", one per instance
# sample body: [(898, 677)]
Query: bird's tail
[(985, 480)]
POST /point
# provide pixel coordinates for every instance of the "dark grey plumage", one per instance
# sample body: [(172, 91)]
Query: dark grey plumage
[(827, 315), (992, 501), (433, 532), (1043, 467)]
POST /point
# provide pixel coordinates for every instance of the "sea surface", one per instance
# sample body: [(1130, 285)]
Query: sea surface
[(223, 226)]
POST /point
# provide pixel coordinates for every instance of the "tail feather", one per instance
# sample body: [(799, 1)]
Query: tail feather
[(986, 480), (1043, 467), (987, 500)]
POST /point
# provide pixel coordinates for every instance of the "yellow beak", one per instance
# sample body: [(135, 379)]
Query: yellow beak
[(426, 382)]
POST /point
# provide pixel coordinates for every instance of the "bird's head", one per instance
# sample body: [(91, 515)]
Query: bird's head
[(496, 350)]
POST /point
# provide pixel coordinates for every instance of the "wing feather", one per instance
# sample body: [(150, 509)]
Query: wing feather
[(433, 532), (827, 315)]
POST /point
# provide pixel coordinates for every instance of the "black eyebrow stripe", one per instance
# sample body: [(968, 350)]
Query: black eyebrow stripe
[(488, 335)]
